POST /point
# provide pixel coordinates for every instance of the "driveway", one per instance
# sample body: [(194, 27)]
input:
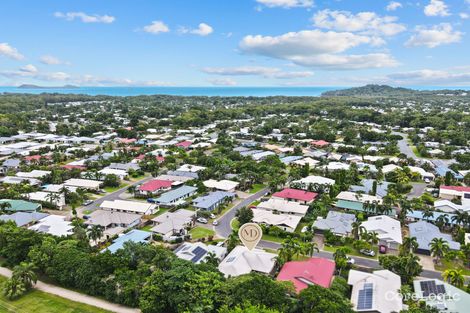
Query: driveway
[(224, 229), (417, 191)]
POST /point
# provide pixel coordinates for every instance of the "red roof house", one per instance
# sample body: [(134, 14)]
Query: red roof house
[(159, 158), (297, 195), (314, 271), (184, 144), (319, 143), (155, 185)]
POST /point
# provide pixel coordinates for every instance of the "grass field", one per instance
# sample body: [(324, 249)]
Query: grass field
[(446, 265), (256, 188), (41, 302), (353, 251), (201, 232), (272, 238), (113, 189)]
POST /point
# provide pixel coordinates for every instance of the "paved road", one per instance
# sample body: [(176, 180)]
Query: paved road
[(417, 191), (359, 261), (75, 296), (111, 196), (224, 229)]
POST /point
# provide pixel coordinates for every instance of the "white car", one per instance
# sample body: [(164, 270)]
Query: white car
[(202, 220), (215, 223), (212, 215), (350, 260)]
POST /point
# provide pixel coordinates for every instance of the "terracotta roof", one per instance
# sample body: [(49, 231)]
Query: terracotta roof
[(316, 271), (296, 194), (184, 144), (320, 143), (155, 185), (457, 188)]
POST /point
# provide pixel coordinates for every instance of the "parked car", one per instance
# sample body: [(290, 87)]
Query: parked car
[(215, 223), (212, 215), (350, 260), (87, 202), (367, 252), (383, 249), (202, 220)]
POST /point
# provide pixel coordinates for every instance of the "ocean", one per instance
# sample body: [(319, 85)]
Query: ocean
[(180, 91)]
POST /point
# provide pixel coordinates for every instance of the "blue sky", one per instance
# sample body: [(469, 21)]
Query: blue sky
[(235, 43)]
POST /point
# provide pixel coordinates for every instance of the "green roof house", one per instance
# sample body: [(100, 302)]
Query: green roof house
[(21, 206)]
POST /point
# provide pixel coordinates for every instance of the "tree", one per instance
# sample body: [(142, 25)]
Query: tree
[(409, 245), (111, 180), (407, 267), (341, 258), (13, 288), (246, 308), (438, 247), (4, 206), (316, 299), (212, 259), (454, 277), (244, 215), (25, 273), (95, 232)]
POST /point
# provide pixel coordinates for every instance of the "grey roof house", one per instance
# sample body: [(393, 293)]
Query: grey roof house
[(212, 200), (337, 222), (23, 218), (425, 232), (367, 187), (175, 196), (124, 166)]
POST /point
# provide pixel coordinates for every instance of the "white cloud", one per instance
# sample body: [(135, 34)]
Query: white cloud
[(85, 18), (156, 27), (464, 16), (427, 76), (364, 22), (267, 72), (31, 71), (314, 48), (393, 5), (10, 52), (222, 82), (202, 30), (287, 3), (437, 35), (51, 60), (436, 8)]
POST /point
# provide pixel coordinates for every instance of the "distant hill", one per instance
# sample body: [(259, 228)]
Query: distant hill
[(386, 91), (30, 86)]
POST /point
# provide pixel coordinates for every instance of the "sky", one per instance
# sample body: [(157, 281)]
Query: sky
[(234, 42)]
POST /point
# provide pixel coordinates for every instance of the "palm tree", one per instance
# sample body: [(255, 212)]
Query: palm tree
[(13, 288), (212, 259), (428, 214), (373, 238), (454, 277), (460, 218), (309, 248), (409, 245), (357, 229), (4, 206), (438, 247), (232, 241), (341, 258), (442, 220), (25, 272), (95, 232)]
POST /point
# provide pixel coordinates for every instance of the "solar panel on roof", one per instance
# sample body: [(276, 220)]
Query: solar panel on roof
[(230, 259), (429, 287), (365, 297), (198, 254)]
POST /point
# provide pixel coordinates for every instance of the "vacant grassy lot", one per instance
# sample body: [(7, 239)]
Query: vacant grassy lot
[(201, 232), (41, 302), (256, 188)]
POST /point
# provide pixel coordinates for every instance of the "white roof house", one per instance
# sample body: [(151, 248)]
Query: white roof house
[(43, 196), (191, 168), (83, 183), (33, 174), (421, 172), (54, 225), (171, 223), (315, 180), (224, 185), (287, 222), (57, 188), (390, 168), (336, 166), (449, 206), (308, 160), (243, 261), (358, 197), (112, 171), (375, 292), (283, 206), (197, 252), (387, 229), (142, 208)]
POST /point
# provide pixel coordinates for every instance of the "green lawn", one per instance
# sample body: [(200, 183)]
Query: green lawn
[(147, 227), (256, 187), (446, 265), (41, 302), (235, 224), (272, 238), (113, 189), (201, 232)]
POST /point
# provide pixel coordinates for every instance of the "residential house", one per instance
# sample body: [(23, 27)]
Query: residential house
[(87, 184), (338, 223), (55, 199), (23, 218), (21, 206), (141, 208), (154, 187), (286, 222), (278, 205), (10, 164), (212, 200), (198, 252), (173, 224), (135, 235), (312, 180), (375, 292), (453, 192), (243, 261), (314, 271), (297, 195), (176, 196), (348, 200), (113, 222), (425, 232), (387, 229), (367, 187), (53, 225), (223, 185), (442, 296)]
